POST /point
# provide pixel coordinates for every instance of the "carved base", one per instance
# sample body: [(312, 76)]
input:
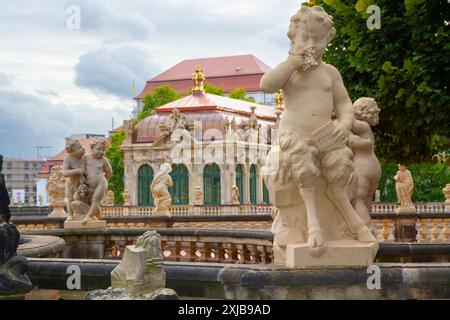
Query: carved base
[(58, 212), (94, 224), (405, 210), (161, 212), (339, 253)]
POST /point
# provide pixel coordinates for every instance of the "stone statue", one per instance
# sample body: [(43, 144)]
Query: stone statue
[(309, 172), (31, 201), (14, 283), (109, 199), (198, 195), (140, 275), (404, 186), (73, 170), (235, 195), (126, 197), (40, 201), (160, 189), (128, 128), (367, 167), (56, 190), (88, 177)]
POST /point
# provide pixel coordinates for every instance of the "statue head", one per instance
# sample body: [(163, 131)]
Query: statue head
[(311, 27), (98, 147), (366, 109), (74, 147), (401, 167), (165, 168)]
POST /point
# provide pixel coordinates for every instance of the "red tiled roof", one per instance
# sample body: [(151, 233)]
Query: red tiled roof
[(59, 159), (243, 71)]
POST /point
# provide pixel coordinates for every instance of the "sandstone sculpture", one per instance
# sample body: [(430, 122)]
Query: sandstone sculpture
[(126, 197), (404, 187), (198, 195), (160, 189), (87, 183), (367, 167), (235, 195), (311, 170), (140, 274), (109, 199), (56, 190)]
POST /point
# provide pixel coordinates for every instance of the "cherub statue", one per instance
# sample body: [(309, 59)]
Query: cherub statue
[(160, 189), (404, 186), (311, 145), (73, 170), (367, 167), (235, 195), (98, 173)]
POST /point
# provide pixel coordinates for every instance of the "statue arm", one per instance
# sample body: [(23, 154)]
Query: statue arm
[(275, 79), (342, 103), (108, 170), (67, 171), (356, 142)]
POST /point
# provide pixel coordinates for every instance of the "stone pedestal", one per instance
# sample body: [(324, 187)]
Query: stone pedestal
[(161, 213), (405, 210), (93, 224), (405, 225), (338, 253), (58, 210)]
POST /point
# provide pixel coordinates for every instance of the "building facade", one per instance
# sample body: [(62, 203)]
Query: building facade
[(231, 72), (216, 146), (21, 179)]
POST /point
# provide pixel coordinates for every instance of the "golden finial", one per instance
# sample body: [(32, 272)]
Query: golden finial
[(312, 2), (279, 100), (199, 78)]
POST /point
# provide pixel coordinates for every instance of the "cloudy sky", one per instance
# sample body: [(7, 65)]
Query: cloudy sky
[(57, 80)]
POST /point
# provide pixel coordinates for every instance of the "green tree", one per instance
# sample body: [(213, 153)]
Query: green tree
[(115, 157), (405, 66), (240, 94), (209, 88), (160, 96)]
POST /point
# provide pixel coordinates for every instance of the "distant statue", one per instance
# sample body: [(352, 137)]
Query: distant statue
[(198, 195), (40, 201), (31, 201), (88, 176), (128, 128), (109, 199), (73, 170), (160, 189), (404, 186), (56, 190), (235, 195), (126, 197), (367, 167)]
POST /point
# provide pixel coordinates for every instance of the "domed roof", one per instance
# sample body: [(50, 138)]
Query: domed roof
[(211, 110)]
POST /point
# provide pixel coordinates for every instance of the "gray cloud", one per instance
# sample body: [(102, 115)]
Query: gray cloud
[(113, 70), (27, 121)]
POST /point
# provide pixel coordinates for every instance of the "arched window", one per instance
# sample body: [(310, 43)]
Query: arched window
[(211, 184), (240, 181), (180, 189), (253, 184), (266, 198), (145, 178)]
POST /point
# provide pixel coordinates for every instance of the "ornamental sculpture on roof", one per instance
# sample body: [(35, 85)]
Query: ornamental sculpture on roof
[(199, 78)]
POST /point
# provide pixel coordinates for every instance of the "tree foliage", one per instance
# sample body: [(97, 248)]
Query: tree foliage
[(209, 88), (159, 96), (115, 157), (240, 94), (405, 66)]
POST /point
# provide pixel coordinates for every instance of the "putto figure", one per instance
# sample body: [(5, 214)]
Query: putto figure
[(87, 177), (160, 189), (312, 155), (367, 167)]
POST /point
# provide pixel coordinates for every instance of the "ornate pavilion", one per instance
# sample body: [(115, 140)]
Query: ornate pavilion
[(214, 144)]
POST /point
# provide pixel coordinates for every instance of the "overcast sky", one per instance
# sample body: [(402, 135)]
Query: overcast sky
[(56, 81)]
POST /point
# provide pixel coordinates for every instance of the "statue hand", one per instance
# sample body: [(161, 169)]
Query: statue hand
[(295, 60)]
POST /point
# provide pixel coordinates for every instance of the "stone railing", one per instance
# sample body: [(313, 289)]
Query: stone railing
[(186, 210)]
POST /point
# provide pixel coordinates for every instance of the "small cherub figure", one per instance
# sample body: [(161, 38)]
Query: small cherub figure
[(367, 167), (73, 170), (160, 189), (98, 173)]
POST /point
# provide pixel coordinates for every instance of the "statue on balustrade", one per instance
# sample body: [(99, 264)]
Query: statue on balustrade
[(235, 195), (160, 189), (87, 182), (367, 167), (404, 186), (56, 190), (310, 173)]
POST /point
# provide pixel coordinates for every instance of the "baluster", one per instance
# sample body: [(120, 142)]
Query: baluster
[(423, 231), (446, 230), (435, 229), (385, 229)]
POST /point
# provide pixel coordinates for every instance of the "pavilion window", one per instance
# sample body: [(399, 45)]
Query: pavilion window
[(145, 178), (253, 184), (180, 189), (211, 184), (240, 182), (266, 198)]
